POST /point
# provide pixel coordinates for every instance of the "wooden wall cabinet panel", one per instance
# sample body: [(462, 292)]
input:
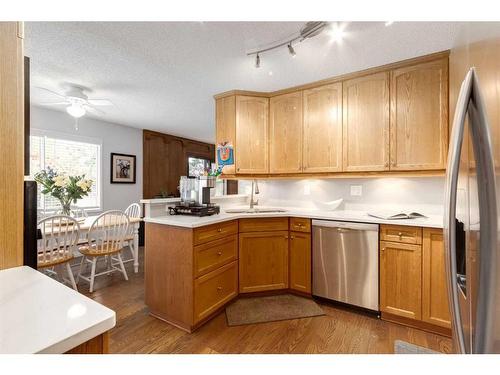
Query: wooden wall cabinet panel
[(300, 262), (322, 145), (165, 161), (435, 307), (285, 133), (263, 261), (252, 143), (225, 122), (419, 116), (401, 279), (366, 118), (11, 144)]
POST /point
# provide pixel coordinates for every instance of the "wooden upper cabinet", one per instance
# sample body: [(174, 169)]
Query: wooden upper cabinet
[(419, 116), (252, 148), (401, 279), (322, 145), (366, 123), (225, 123), (285, 133), (435, 307)]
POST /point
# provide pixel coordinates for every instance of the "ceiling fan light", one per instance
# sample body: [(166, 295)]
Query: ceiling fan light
[(75, 110)]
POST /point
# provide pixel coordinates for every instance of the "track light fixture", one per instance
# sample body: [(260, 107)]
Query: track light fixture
[(310, 30), (257, 61)]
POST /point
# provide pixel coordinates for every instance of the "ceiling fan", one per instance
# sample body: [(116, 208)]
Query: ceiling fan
[(77, 102)]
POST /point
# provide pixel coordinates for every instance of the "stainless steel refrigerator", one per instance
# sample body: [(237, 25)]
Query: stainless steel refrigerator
[(472, 192)]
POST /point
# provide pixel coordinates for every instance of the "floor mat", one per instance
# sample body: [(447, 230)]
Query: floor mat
[(271, 308)]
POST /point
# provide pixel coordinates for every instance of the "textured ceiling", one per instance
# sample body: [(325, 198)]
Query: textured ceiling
[(162, 76)]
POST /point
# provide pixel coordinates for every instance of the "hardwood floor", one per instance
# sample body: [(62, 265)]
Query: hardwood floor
[(339, 331)]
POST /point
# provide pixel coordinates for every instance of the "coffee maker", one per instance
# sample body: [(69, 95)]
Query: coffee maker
[(195, 197)]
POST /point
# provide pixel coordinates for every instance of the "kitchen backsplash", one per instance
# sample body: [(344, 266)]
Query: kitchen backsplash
[(424, 194)]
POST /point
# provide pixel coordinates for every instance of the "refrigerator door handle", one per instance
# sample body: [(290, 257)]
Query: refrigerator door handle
[(485, 166), (452, 172)]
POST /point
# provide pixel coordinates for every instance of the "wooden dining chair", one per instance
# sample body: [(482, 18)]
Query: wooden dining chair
[(134, 210), (59, 237), (106, 236)]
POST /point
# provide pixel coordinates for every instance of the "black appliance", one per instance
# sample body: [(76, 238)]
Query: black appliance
[(193, 209), (30, 224)]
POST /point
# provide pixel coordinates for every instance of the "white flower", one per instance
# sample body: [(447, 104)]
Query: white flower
[(59, 180)]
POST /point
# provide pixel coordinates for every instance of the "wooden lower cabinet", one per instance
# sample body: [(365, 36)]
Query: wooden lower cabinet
[(186, 280), (263, 261), (97, 345), (300, 262), (435, 307), (401, 279), (413, 287), (214, 290)]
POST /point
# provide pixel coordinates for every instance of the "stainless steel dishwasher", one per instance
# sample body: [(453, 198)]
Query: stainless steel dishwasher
[(345, 262)]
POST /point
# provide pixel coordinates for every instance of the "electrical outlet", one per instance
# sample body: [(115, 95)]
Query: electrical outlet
[(356, 190)]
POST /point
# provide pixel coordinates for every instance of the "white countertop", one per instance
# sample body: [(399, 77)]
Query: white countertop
[(432, 221), (41, 315)]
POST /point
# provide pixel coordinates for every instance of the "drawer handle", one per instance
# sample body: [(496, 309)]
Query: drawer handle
[(219, 230), (219, 288), (219, 253)]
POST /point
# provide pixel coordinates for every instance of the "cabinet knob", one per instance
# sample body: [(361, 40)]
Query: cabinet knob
[(400, 234), (219, 288), (286, 237), (292, 237), (219, 253), (219, 230)]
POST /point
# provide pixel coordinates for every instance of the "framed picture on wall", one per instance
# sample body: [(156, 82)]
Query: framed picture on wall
[(122, 169)]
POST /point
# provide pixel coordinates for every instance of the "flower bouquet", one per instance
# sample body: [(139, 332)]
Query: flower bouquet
[(67, 189)]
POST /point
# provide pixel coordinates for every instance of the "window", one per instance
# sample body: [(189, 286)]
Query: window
[(69, 155), (198, 166)]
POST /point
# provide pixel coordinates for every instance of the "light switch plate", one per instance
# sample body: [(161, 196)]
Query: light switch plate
[(356, 190)]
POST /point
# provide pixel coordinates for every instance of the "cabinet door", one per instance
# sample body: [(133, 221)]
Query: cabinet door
[(366, 123), (300, 262), (419, 116), (435, 307), (401, 279), (225, 123), (322, 145), (263, 261), (252, 149), (285, 133)]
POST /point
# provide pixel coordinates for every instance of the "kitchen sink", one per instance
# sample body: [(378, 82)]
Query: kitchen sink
[(255, 210)]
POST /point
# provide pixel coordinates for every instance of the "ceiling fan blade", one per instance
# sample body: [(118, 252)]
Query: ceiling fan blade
[(99, 102), (93, 110), (52, 92), (55, 103)]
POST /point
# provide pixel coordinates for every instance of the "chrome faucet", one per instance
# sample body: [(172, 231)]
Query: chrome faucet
[(255, 190)]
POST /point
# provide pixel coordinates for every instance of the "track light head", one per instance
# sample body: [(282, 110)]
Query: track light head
[(291, 50), (257, 61)]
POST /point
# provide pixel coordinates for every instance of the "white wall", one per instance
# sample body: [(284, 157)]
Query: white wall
[(114, 137), (423, 193)]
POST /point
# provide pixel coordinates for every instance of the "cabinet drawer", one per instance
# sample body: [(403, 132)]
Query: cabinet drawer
[(212, 255), (214, 290), (215, 231), (263, 224), (401, 233), (300, 224)]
